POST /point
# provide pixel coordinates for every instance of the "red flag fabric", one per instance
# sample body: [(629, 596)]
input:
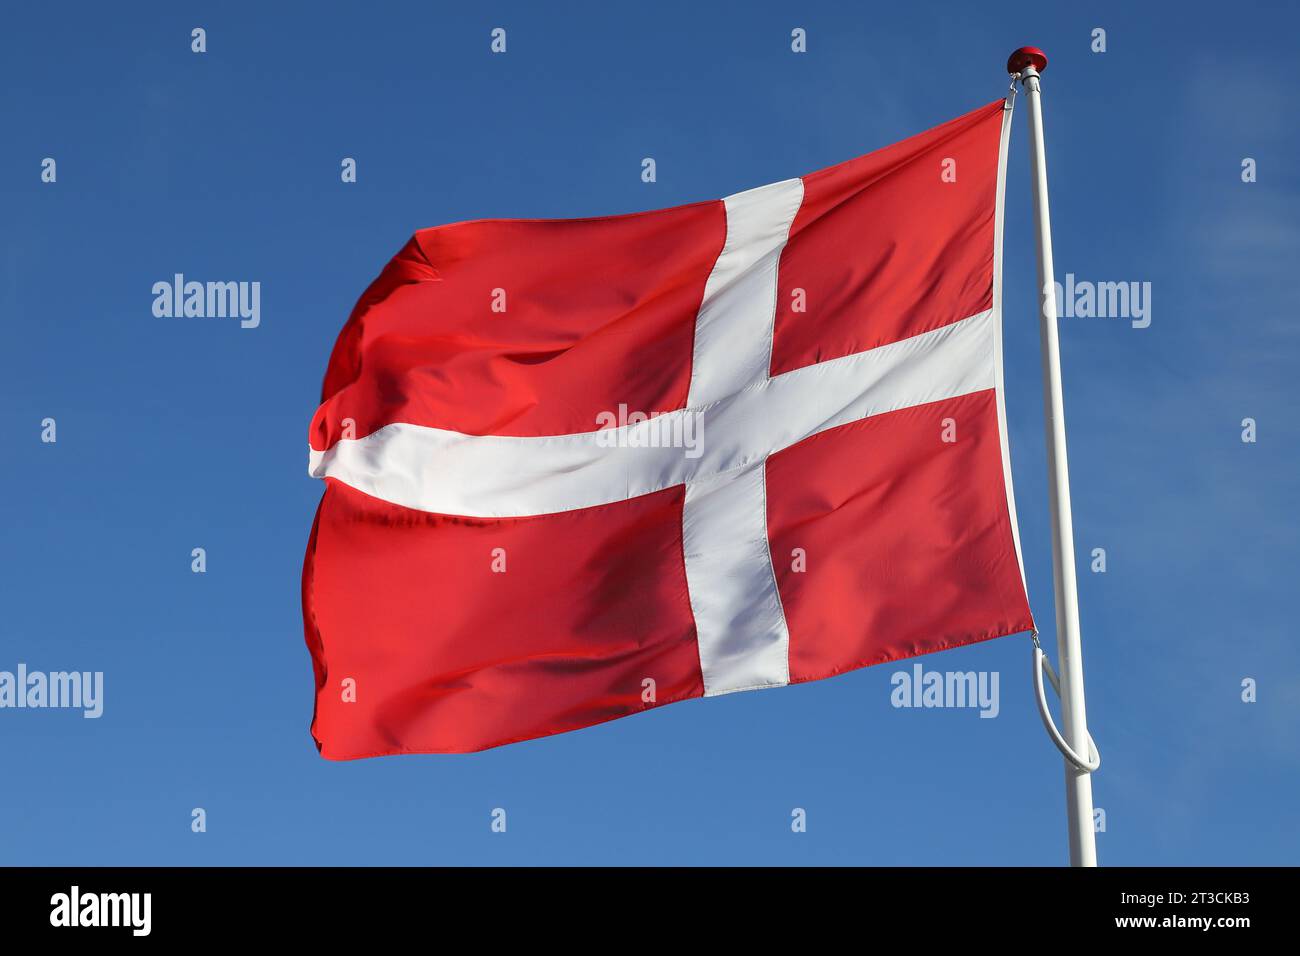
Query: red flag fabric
[(578, 469)]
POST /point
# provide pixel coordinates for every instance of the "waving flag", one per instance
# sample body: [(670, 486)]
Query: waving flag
[(577, 469)]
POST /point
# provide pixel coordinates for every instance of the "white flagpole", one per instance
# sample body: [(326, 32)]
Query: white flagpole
[(1029, 62)]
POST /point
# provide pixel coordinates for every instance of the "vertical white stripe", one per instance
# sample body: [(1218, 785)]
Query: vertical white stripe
[(739, 622), (733, 331), (744, 642)]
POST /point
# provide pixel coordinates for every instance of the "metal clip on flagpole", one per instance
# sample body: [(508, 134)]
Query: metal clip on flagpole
[(1041, 664), (1026, 64)]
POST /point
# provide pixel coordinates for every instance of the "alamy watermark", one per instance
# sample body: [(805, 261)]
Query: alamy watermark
[(624, 429), (208, 300), (1104, 300), (922, 688), (74, 690), (75, 908)]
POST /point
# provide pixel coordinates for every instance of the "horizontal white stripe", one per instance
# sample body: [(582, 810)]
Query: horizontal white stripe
[(446, 472)]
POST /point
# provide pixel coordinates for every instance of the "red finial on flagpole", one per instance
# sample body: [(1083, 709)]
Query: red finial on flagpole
[(1027, 56)]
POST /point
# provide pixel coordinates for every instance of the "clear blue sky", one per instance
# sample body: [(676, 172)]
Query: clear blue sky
[(175, 434)]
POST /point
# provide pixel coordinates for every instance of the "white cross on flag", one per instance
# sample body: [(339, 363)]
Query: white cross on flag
[(577, 469)]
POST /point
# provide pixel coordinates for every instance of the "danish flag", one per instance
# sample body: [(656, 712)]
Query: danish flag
[(577, 469)]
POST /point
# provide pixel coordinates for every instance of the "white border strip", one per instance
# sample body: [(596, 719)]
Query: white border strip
[(1000, 388)]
